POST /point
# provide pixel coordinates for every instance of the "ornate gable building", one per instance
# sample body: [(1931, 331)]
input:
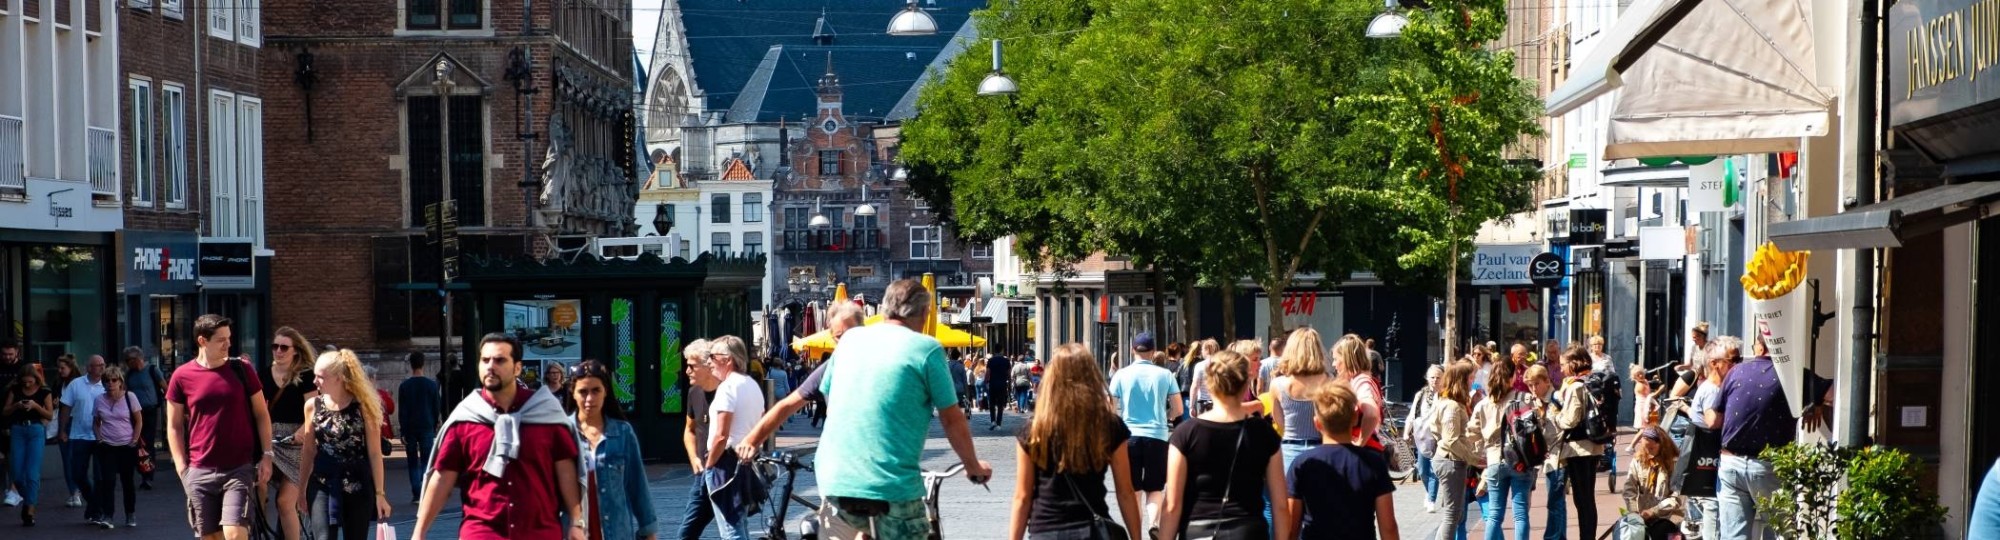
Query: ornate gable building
[(772, 111)]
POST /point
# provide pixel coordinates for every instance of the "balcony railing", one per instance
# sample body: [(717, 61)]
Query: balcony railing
[(13, 169), (103, 145), (835, 239)]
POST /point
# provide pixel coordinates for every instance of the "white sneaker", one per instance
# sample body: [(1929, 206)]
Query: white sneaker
[(1430, 507), (13, 497), (75, 500)]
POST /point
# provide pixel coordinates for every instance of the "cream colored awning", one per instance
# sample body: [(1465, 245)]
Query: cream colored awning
[(1704, 77)]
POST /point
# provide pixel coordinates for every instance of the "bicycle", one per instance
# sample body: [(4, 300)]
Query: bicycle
[(788, 463), (1396, 435), (933, 482)]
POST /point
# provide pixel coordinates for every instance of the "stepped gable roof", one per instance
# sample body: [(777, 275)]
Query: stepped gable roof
[(760, 60)]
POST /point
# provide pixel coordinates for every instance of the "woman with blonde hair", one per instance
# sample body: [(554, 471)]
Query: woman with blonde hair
[(1350, 358), (1064, 451), (1457, 448), (292, 378), (1649, 489), (1219, 463), (342, 451), (1292, 393)]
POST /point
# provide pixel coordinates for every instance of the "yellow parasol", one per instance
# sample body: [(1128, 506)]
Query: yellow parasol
[(821, 342)]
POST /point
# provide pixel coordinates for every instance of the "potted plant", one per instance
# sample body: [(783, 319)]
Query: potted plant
[(1874, 494)]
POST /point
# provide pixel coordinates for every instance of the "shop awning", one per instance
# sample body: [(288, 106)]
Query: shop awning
[(1892, 222), (1704, 77), (995, 312)]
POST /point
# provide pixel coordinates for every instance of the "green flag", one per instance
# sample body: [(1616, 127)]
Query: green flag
[(1729, 195)]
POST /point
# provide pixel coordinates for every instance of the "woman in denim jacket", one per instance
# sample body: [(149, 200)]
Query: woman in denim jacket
[(615, 480)]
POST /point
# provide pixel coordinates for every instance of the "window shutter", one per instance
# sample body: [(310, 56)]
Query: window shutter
[(222, 163), (250, 168)]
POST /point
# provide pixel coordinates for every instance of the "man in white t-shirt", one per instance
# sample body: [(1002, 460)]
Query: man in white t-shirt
[(732, 415)]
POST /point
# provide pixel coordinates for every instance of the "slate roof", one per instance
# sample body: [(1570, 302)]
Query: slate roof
[(758, 59)]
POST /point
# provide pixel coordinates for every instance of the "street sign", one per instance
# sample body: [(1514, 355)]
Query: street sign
[(1547, 270)]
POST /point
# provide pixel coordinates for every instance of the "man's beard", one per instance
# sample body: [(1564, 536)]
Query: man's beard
[(495, 384)]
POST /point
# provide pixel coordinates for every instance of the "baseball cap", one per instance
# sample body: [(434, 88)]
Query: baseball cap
[(1143, 342)]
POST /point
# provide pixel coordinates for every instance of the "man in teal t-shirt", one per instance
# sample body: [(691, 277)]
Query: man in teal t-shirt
[(890, 378), (1147, 396)]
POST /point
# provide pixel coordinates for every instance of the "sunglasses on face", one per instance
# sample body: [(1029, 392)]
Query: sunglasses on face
[(280, 347)]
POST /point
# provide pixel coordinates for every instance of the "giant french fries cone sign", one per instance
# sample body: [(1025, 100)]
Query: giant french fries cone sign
[(1783, 315)]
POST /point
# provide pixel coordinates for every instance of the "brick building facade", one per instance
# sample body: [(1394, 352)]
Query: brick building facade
[(535, 118)]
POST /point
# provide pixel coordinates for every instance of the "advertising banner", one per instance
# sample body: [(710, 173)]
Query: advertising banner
[(1503, 264)]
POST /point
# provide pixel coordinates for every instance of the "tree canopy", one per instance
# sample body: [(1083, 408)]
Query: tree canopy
[(1229, 139)]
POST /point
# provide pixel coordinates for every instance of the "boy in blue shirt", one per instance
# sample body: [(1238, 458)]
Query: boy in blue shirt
[(1336, 485)]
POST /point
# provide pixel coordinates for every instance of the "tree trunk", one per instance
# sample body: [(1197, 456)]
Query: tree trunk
[(1451, 306), (1190, 310), (1229, 309), (1274, 298)]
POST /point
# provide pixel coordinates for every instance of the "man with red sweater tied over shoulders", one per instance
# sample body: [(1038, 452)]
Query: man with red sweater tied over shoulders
[(514, 452)]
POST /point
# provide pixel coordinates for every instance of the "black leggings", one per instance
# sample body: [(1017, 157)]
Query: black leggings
[(120, 462), (357, 516), (1582, 473)]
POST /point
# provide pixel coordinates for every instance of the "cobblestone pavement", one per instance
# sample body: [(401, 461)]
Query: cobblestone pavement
[(969, 511)]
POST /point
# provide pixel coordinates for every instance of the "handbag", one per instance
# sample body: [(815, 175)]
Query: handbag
[(1226, 528), (1101, 526), (1696, 471)]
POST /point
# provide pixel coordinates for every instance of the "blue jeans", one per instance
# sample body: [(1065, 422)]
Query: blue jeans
[(1426, 473), (24, 459), (77, 455), (418, 446), (1557, 527), (1741, 481), (698, 514), (732, 531), (1022, 399), (1504, 484)]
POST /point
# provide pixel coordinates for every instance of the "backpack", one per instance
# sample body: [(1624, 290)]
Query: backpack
[(1597, 426), (1422, 436), (1523, 447)]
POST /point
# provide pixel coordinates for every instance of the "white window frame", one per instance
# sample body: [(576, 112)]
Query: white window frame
[(222, 19), (172, 9), (727, 244), (173, 111), (746, 243), (222, 164), (978, 247), (919, 203), (141, 5), (932, 237), (143, 124), (753, 211), (249, 22), (250, 168)]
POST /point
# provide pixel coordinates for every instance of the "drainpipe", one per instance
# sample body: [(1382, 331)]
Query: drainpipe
[(1854, 395)]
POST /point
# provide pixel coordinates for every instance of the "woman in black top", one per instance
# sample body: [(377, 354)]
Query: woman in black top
[(29, 406), (291, 375), (1218, 463), (342, 450), (1063, 452)]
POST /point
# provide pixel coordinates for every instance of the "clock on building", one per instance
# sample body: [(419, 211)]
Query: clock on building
[(829, 126)]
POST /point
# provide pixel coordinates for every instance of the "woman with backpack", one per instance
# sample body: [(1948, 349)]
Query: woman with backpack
[(1423, 441), (1457, 448), (1509, 475), (1578, 452), (1064, 453)]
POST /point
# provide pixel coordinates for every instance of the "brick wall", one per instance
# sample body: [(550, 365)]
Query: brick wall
[(163, 49)]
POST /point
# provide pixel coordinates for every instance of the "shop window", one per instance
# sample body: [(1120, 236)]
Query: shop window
[(66, 307), (550, 331)]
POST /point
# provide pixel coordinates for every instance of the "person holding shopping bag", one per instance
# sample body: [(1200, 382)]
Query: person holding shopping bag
[(341, 451)]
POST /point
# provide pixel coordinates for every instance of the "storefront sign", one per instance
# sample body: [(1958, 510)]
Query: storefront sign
[(227, 264), (54, 205), (1317, 309), (1943, 56), (1503, 264), (1621, 249), (1587, 227), (1708, 186), (159, 262), (1578, 160), (1547, 270)]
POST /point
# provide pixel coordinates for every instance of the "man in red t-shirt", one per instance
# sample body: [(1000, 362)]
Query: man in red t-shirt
[(215, 438), (515, 453)]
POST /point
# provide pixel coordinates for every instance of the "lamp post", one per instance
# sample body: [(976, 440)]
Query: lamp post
[(441, 79), (912, 21), (998, 83), (1388, 24)]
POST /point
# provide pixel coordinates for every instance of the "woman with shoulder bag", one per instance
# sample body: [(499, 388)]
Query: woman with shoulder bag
[(1073, 437), (1422, 440), (1649, 489), (1217, 462), (1457, 448), (118, 424), (1579, 454)]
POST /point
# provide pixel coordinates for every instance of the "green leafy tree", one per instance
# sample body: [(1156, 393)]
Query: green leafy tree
[(1227, 140)]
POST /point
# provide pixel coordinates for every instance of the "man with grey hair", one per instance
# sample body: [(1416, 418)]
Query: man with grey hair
[(890, 376), (700, 390), (78, 436), (843, 317), (738, 403)]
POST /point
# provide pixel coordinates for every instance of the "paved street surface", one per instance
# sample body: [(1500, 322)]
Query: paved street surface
[(969, 511)]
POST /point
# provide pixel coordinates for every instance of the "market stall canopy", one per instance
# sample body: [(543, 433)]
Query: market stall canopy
[(1703, 77)]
